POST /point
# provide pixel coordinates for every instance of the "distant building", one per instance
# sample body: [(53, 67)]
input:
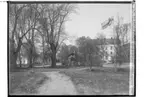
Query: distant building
[(110, 50), (107, 46)]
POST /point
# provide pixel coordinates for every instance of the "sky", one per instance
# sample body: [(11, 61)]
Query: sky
[(87, 21)]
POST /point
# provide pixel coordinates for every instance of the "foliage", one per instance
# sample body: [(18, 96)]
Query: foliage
[(28, 21), (101, 40), (52, 23), (63, 54), (21, 28), (89, 51), (121, 31)]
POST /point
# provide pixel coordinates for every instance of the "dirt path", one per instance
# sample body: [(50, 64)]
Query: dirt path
[(58, 84)]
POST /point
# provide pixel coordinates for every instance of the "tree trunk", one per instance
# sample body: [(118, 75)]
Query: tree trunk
[(31, 62), (30, 59), (43, 50), (14, 54), (86, 60), (90, 62), (20, 63), (53, 56), (13, 63)]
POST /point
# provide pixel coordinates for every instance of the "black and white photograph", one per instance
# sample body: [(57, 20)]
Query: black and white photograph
[(71, 48)]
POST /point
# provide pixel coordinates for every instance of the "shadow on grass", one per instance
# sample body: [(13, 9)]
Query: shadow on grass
[(26, 82)]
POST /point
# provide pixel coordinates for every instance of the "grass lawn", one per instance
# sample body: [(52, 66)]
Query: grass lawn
[(25, 82), (100, 81)]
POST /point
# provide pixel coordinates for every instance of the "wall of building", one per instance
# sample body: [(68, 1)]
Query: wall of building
[(110, 49)]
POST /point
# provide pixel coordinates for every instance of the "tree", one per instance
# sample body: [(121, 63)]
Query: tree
[(46, 53), (27, 21), (120, 31), (52, 22), (63, 54), (22, 22), (73, 48), (101, 42), (88, 49), (15, 41), (81, 45)]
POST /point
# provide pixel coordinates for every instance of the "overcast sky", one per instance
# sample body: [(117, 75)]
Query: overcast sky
[(87, 21)]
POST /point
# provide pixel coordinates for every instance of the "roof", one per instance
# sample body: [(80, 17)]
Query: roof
[(105, 41), (127, 45)]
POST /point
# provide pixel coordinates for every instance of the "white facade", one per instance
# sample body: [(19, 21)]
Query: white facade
[(110, 52)]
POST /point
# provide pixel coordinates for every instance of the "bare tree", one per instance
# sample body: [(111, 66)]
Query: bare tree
[(21, 22), (81, 46), (31, 15), (101, 42), (120, 31), (15, 42), (24, 26), (52, 23), (88, 49)]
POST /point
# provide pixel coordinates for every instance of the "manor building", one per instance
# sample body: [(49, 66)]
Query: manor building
[(108, 48)]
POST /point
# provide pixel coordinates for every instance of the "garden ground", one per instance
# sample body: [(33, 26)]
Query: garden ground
[(71, 81)]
